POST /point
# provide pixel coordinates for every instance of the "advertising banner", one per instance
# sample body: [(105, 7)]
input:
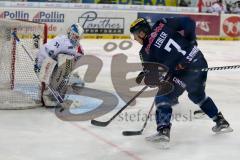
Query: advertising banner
[(134, 2), (230, 25), (102, 23), (96, 23), (206, 25), (14, 14), (55, 19), (131, 5), (105, 23)]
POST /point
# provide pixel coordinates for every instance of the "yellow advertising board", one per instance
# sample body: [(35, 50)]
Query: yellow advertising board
[(140, 2)]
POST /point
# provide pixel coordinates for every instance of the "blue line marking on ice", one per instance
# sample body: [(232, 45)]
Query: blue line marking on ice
[(83, 104)]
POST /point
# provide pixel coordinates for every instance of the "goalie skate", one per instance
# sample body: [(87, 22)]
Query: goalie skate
[(49, 99)]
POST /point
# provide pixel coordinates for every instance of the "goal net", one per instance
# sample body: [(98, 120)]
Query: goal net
[(19, 85)]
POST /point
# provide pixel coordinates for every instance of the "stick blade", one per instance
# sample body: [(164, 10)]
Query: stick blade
[(131, 133), (99, 123)]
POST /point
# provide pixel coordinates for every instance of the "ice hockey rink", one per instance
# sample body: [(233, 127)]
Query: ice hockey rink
[(37, 134)]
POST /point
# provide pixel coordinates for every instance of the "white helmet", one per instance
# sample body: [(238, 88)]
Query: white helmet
[(75, 32)]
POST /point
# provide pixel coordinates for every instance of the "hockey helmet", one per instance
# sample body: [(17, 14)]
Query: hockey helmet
[(140, 24), (74, 33)]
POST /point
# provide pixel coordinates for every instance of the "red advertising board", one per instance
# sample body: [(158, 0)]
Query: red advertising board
[(206, 25), (231, 26)]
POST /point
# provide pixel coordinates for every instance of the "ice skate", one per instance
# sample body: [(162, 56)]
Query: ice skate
[(222, 126), (162, 138)]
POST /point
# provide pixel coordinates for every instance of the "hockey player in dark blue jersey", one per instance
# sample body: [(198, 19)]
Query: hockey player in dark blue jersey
[(172, 42)]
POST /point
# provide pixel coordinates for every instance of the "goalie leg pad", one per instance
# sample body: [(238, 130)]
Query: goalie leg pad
[(60, 76), (62, 58), (46, 71)]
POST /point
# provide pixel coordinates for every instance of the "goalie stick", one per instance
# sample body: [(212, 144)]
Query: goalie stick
[(104, 124), (56, 95), (134, 133)]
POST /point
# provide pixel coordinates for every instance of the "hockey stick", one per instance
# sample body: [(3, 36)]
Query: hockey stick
[(104, 124), (134, 133), (216, 68), (56, 95)]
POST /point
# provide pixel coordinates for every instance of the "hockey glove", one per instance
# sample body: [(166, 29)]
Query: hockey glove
[(153, 78), (154, 73)]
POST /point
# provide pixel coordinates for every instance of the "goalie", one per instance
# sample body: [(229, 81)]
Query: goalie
[(55, 61)]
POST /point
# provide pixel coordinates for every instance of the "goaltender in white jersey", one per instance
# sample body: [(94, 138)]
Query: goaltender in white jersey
[(53, 53), (58, 45)]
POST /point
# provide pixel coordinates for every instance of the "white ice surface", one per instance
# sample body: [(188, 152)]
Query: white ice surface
[(37, 134)]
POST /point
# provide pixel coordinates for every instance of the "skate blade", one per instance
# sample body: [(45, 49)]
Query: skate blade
[(160, 143), (164, 145), (224, 130)]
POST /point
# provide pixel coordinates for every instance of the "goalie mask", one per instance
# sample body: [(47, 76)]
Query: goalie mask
[(74, 33)]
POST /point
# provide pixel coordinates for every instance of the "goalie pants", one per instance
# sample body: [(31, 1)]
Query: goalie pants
[(194, 84)]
